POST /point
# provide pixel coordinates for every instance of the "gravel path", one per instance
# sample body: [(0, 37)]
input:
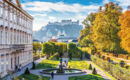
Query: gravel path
[(102, 73)]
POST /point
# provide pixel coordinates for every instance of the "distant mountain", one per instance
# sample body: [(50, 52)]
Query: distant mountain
[(68, 28)]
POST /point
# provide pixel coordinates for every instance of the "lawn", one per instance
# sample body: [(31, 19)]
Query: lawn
[(86, 77), (33, 77), (77, 64), (47, 64)]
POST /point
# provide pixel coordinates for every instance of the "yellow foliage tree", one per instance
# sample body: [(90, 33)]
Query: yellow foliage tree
[(124, 33)]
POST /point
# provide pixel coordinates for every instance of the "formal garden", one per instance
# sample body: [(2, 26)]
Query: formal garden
[(102, 52)]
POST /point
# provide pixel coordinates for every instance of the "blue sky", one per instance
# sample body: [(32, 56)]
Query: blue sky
[(44, 11)]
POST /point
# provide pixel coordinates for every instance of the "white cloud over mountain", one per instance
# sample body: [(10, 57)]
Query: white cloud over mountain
[(39, 10), (43, 12)]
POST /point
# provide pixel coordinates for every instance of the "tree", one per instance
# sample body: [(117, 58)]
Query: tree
[(47, 48), (33, 65), (53, 40), (72, 49), (36, 46), (54, 47), (105, 28), (90, 67), (94, 71), (27, 71), (124, 32), (84, 39), (61, 49)]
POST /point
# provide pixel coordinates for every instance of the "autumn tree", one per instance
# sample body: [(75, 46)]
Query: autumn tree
[(84, 39), (124, 32), (105, 28), (53, 40)]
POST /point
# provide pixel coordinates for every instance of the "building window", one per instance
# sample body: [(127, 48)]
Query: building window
[(11, 37), (6, 37), (11, 63), (0, 37), (11, 14), (2, 64), (1, 10), (6, 12), (7, 63)]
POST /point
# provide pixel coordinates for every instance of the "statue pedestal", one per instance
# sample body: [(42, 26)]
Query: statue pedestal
[(65, 60)]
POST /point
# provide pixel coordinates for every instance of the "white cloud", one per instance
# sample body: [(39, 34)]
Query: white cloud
[(59, 6), (40, 15), (124, 2), (105, 1), (38, 23), (51, 18)]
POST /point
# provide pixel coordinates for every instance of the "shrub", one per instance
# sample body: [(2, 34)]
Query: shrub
[(124, 56), (108, 59), (115, 70), (33, 65), (40, 78), (22, 78), (87, 55), (90, 67), (122, 63), (127, 67), (0, 77), (103, 57), (94, 71), (27, 71), (16, 78)]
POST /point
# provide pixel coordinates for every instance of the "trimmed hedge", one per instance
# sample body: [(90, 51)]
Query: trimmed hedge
[(115, 70)]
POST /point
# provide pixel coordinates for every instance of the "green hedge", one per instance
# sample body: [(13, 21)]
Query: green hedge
[(87, 77), (32, 77), (114, 69)]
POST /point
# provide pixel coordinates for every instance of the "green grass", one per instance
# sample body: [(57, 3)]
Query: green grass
[(33, 77), (47, 64), (78, 64), (86, 77)]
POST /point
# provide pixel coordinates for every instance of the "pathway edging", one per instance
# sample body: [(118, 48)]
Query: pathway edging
[(101, 72)]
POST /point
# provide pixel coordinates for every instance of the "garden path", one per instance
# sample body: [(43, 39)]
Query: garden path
[(28, 66), (24, 68), (99, 71)]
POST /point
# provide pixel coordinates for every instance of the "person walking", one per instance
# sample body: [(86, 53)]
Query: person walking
[(52, 75), (16, 68)]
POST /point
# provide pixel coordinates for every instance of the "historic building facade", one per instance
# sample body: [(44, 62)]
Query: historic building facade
[(15, 36)]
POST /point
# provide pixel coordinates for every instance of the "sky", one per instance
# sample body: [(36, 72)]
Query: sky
[(45, 11)]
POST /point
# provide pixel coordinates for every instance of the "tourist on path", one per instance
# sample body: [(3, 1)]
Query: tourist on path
[(52, 75)]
